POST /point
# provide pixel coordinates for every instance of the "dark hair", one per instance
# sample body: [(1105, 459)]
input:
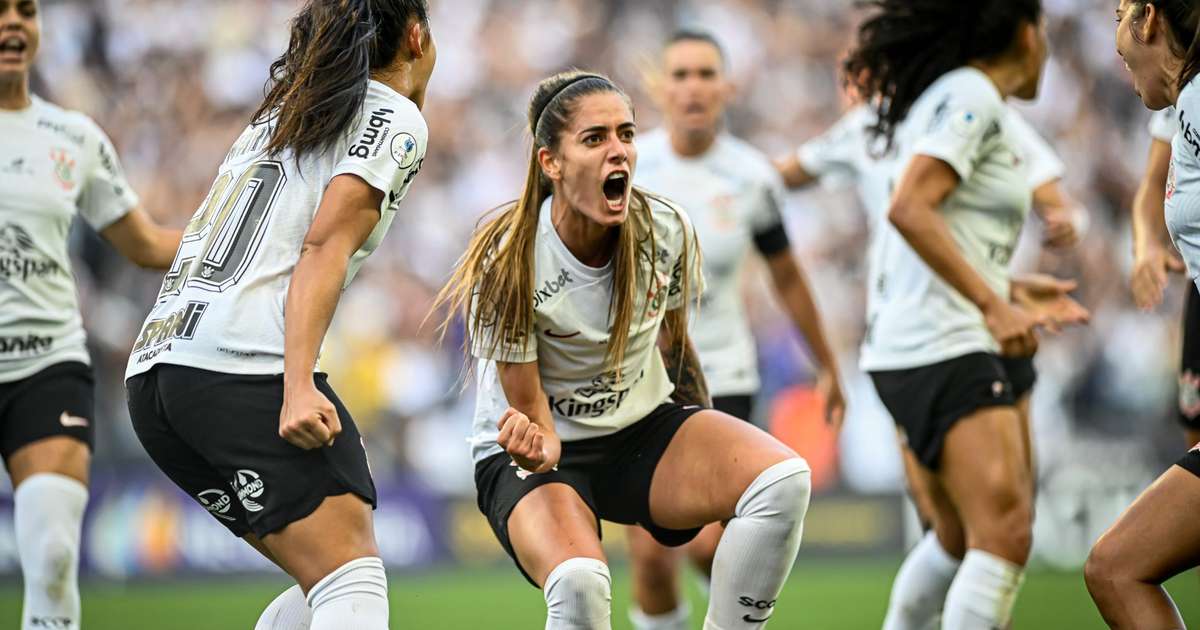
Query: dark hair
[(905, 45), (318, 86), (1183, 19), (695, 35)]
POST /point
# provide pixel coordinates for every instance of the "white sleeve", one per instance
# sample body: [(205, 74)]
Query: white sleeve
[(510, 348), (387, 145), (106, 196), (959, 126), (834, 154), (1164, 124), (1041, 164)]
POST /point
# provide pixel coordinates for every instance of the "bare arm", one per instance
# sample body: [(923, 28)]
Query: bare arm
[(922, 189), (1059, 212), (682, 363), (532, 443), (1153, 255), (348, 213), (794, 175), (142, 241), (792, 288)]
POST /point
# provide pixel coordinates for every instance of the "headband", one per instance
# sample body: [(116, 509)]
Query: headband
[(557, 93)]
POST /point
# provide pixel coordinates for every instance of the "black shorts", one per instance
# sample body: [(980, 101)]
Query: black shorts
[(59, 400), (612, 475), (1189, 369), (1191, 461), (926, 401), (738, 405), (216, 436)]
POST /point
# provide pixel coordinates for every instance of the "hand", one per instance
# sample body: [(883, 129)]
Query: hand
[(526, 443), (1149, 277), (1059, 228), (830, 389), (1046, 298), (1013, 329), (308, 420)]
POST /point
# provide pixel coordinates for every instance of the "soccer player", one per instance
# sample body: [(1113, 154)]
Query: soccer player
[(223, 385), (847, 152), (948, 352), (591, 402), (1158, 537), (55, 165), (733, 195)]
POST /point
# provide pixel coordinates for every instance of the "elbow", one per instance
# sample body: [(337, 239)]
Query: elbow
[(902, 216)]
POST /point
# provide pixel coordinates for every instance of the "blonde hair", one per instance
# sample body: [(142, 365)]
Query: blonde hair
[(492, 284)]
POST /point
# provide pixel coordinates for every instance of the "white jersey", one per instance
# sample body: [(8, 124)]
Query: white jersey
[(221, 305), (571, 305), (54, 164), (1182, 205), (914, 317), (1164, 124), (733, 196)]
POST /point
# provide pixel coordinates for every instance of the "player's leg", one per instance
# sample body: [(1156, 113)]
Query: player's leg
[(46, 439), (919, 589), (1157, 538), (658, 603), (985, 472), (719, 468)]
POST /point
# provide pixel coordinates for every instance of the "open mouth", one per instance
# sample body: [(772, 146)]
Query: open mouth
[(12, 46), (616, 189)]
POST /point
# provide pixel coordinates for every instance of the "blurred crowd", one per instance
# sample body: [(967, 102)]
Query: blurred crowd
[(173, 83)]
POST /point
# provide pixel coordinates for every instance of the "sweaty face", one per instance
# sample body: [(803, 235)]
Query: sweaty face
[(592, 167), (20, 32), (1143, 47), (695, 91)]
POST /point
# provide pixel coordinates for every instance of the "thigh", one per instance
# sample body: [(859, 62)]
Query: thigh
[(47, 424), (337, 531), (1158, 536), (549, 526), (983, 465), (934, 506), (177, 459), (710, 462)]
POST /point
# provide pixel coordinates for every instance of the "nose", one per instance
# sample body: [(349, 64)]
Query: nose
[(618, 152)]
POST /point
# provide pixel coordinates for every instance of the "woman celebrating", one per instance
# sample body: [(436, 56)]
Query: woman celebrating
[(54, 165), (946, 349), (222, 382), (734, 196), (1158, 537), (591, 399)]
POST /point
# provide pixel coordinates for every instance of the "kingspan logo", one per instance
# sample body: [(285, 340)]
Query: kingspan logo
[(249, 486), (595, 400), (19, 259), (217, 502)]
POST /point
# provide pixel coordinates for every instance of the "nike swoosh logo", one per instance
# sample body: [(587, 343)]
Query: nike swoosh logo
[(67, 420), (749, 619), (556, 336)]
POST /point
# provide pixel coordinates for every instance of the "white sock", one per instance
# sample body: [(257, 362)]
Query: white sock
[(674, 620), (48, 510), (579, 596), (289, 611), (919, 590), (759, 547), (353, 597), (983, 593)]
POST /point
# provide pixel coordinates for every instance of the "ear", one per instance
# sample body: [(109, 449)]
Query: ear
[(550, 164), (414, 36), (1146, 26)]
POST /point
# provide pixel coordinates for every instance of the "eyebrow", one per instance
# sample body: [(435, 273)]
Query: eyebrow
[(598, 128)]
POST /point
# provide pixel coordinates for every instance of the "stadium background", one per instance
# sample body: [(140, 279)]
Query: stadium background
[(173, 82)]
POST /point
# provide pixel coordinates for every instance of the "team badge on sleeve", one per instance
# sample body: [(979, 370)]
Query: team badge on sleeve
[(404, 150), (965, 123)]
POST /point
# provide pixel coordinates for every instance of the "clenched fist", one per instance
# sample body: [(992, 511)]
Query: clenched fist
[(308, 420), (526, 442)]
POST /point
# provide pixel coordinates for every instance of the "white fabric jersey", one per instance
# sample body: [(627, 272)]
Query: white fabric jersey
[(1182, 205), (1039, 161), (733, 195), (571, 305), (1164, 124), (221, 304), (54, 164), (914, 317)]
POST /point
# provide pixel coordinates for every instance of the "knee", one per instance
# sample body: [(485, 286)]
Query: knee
[(1007, 527), (950, 536), (781, 491), (578, 594), (52, 564), (655, 569), (1104, 567)]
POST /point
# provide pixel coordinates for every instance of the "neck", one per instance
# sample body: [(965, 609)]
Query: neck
[(691, 143), (1172, 68), (14, 91), (399, 77), (1007, 77), (590, 243)]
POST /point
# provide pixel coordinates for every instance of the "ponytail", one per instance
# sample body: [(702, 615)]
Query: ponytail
[(318, 86)]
